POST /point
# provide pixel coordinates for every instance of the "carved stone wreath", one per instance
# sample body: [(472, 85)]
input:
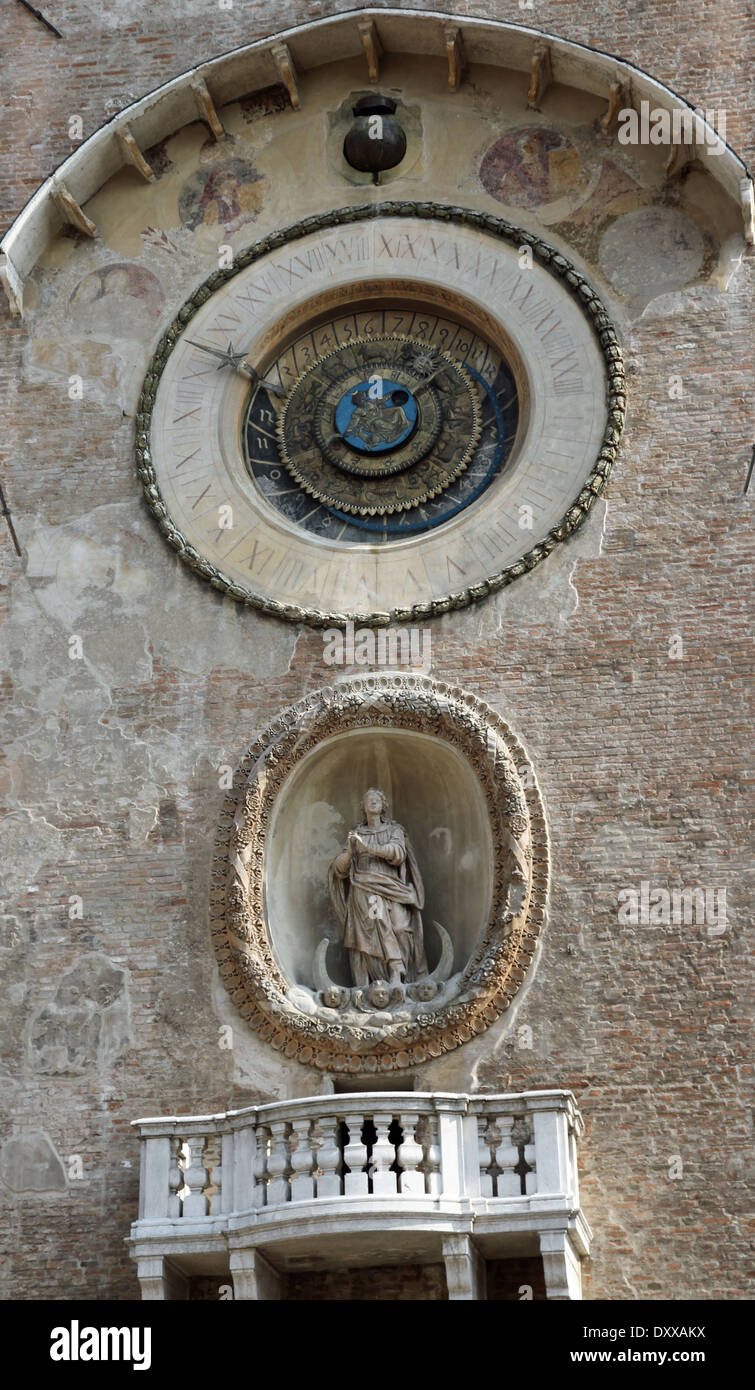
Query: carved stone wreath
[(498, 964)]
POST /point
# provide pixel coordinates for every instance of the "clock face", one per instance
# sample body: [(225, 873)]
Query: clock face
[(389, 422), (380, 417)]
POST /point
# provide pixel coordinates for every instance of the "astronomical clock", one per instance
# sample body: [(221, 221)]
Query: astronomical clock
[(382, 412)]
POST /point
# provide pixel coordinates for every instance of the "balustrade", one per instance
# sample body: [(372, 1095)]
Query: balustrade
[(359, 1146), (464, 1167)]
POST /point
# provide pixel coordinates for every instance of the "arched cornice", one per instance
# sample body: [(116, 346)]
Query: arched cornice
[(459, 40)]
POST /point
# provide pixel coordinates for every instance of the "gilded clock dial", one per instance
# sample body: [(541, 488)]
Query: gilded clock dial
[(386, 423)]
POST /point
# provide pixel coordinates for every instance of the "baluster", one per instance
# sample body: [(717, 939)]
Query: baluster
[(355, 1182), (278, 1165), (521, 1135), (530, 1177), (302, 1159), (431, 1147), (384, 1182), (195, 1177), (328, 1171), (507, 1158), (484, 1144), (259, 1167), (211, 1160), (410, 1157), (175, 1179)]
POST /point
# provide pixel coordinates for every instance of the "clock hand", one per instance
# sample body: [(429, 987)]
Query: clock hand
[(426, 380), (227, 356), (237, 360)]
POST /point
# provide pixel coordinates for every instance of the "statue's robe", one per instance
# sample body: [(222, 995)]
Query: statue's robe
[(378, 902)]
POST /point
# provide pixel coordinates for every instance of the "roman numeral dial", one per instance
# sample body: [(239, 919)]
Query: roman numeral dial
[(387, 415)]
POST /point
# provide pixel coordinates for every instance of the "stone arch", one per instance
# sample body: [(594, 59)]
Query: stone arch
[(459, 41)]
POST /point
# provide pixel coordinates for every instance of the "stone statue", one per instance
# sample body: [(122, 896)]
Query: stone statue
[(377, 892)]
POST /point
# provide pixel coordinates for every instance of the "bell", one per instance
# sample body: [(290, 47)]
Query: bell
[(375, 141)]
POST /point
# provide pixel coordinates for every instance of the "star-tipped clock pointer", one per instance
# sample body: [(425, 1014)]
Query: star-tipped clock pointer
[(228, 358)]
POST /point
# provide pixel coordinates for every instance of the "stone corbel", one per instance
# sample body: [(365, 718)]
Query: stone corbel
[(254, 1278), (132, 154), (465, 1269), (13, 285), (159, 1279), (679, 158), (373, 49), (747, 198), (561, 1266), (456, 57), (206, 107), (71, 210), (541, 74), (281, 55), (619, 98)]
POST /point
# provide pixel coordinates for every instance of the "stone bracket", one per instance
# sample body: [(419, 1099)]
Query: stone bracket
[(541, 74), (71, 210), (619, 98), (281, 55), (456, 57), (561, 1266), (132, 154), (747, 195), (13, 285), (254, 1278), (160, 1279), (465, 1269), (372, 46), (678, 160), (206, 107)]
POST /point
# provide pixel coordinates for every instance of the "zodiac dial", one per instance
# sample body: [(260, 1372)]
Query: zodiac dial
[(379, 424)]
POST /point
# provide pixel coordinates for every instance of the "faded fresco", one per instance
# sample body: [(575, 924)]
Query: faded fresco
[(226, 195), (531, 166), (114, 298), (651, 251)]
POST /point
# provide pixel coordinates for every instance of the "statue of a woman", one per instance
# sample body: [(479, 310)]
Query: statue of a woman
[(376, 890)]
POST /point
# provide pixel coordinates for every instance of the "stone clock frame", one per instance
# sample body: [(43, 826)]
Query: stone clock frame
[(597, 472), (244, 937)]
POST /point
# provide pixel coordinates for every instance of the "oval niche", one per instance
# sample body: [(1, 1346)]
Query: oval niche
[(449, 768), (431, 790)]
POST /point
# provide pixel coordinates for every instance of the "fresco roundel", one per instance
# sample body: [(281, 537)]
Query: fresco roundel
[(530, 166)]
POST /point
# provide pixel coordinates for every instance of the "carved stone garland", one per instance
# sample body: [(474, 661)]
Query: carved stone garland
[(240, 929)]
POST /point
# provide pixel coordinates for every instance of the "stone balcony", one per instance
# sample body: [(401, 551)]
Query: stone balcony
[(367, 1179)]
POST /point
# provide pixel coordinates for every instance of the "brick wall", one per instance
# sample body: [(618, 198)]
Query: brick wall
[(507, 1280), (112, 794), (392, 1284)]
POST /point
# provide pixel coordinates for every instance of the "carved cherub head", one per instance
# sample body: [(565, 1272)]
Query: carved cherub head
[(425, 990), (333, 997), (379, 994)]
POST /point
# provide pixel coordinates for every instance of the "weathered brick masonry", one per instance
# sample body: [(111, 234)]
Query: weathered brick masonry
[(110, 784)]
